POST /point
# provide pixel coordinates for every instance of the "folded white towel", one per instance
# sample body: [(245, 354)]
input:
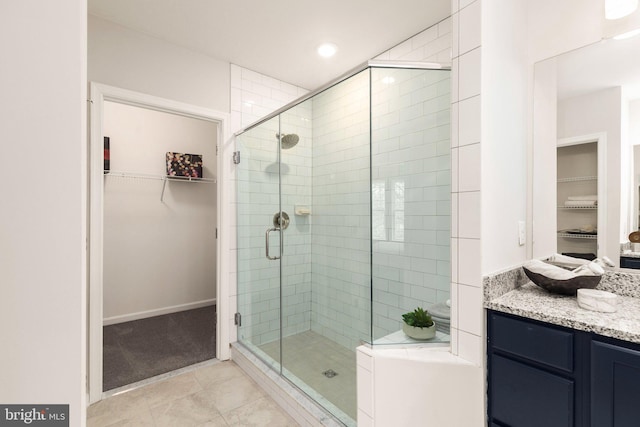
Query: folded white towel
[(548, 270), (564, 259), (581, 203), (589, 197)]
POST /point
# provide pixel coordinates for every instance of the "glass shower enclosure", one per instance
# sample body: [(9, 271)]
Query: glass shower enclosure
[(343, 214)]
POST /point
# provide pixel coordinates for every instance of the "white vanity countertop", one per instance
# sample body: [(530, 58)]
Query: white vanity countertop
[(533, 302)]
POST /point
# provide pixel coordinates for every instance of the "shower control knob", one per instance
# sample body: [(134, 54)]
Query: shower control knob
[(281, 220)]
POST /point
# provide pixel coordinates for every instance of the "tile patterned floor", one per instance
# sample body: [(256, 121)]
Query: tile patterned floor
[(217, 395), (308, 354)]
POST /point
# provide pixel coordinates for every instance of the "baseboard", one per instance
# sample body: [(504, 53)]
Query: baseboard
[(157, 312)]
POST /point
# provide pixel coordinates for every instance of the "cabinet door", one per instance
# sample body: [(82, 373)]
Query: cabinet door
[(627, 262), (615, 386), (523, 396)]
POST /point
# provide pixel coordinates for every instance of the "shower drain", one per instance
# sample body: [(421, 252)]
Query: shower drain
[(330, 373)]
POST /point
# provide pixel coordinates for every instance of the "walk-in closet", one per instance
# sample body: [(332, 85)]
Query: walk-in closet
[(159, 242)]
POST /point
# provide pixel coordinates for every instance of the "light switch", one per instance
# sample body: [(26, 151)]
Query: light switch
[(522, 233)]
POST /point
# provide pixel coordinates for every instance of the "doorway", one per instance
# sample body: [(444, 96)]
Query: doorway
[(153, 240)]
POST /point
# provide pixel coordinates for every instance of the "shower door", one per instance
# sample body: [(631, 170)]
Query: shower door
[(274, 238), (304, 242), (259, 248)]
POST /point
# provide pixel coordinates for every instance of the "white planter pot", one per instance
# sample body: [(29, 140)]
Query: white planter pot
[(419, 333)]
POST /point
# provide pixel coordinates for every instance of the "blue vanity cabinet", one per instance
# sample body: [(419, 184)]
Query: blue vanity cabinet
[(615, 384), (533, 371), (547, 375), (629, 262)]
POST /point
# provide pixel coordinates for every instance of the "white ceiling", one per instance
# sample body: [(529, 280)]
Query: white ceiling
[(602, 65), (279, 37)]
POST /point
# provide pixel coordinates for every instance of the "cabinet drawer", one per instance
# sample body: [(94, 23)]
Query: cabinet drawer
[(539, 343), (628, 262), (522, 396)]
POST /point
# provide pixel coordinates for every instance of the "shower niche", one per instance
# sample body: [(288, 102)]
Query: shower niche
[(362, 166)]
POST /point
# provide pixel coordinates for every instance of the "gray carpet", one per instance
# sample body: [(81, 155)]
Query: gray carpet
[(140, 349)]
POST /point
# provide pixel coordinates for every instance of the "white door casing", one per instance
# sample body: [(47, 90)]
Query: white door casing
[(99, 93)]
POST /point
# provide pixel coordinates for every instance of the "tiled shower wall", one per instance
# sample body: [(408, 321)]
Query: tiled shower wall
[(341, 248), (254, 96), (295, 172), (434, 44), (411, 173), (467, 325), (260, 179), (458, 40)]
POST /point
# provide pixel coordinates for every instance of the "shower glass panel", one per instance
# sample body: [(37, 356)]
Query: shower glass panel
[(318, 348), (411, 199), (258, 200), (361, 169)]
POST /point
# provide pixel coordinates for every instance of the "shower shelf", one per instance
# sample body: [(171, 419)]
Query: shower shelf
[(163, 178)]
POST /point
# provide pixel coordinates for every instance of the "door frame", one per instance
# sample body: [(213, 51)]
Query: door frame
[(600, 139), (98, 93)]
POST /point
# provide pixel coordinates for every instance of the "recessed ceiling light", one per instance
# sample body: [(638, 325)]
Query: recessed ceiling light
[(616, 9), (327, 50)]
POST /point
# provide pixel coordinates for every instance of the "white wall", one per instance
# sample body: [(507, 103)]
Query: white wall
[(159, 256), (594, 113), (634, 122), (634, 143), (430, 45), (544, 207), (505, 132), (559, 26), (127, 59), (42, 236)]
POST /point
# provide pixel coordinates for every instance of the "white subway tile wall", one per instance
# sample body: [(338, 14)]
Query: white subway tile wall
[(254, 96), (437, 43), (296, 190), (467, 322), (411, 177), (341, 244), (264, 187)]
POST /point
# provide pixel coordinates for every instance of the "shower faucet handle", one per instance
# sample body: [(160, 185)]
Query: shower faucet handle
[(281, 220)]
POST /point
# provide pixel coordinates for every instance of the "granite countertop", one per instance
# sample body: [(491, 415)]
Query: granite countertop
[(533, 302), (630, 254)]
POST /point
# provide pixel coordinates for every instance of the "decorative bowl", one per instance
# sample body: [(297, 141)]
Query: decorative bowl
[(564, 287)]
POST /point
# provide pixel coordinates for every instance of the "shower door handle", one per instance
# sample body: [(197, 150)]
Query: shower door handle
[(266, 243)]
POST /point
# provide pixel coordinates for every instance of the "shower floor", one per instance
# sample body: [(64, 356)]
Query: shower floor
[(307, 355)]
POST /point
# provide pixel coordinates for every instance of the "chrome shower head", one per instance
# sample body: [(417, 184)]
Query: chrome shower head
[(288, 140)]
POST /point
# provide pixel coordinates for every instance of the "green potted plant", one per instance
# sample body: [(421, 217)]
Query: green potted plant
[(418, 324)]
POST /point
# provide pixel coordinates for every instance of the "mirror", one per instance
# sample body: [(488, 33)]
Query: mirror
[(586, 150)]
